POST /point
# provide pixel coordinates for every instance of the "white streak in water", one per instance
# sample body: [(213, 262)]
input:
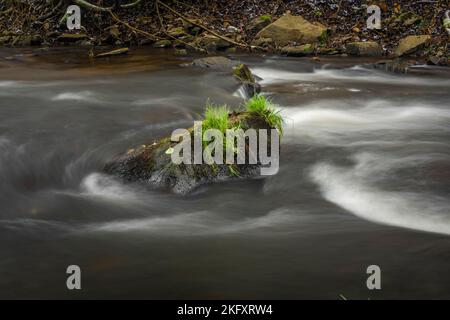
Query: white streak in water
[(84, 96), (354, 190)]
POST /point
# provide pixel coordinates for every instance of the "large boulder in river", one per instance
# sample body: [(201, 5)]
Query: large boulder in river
[(152, 163), (364, 49), (410, 44), (296, 29)]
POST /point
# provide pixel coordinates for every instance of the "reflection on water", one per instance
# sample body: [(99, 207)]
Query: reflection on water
[(364, 179)]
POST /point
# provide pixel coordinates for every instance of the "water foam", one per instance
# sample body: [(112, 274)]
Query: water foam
[(103, 186), (374, 120), (83, 96), (353, 190), (356, 73)]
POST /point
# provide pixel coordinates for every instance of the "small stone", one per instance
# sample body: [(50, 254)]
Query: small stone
[(231, 29), (368, 48), (176, 32), (180, 52), (72, 37), (162, 44), (411, 21), (114, 31), (212, 43)]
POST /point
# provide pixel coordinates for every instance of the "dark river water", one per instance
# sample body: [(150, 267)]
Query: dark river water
[(364, 180)]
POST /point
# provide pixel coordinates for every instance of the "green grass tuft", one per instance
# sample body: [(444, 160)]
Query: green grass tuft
[(264, 107), (216, 117), (266, 17)]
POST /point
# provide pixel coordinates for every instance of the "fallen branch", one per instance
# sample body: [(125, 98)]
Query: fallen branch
[(88, 5), (51, 13), (202, 26), (154, 37), (170, 36)]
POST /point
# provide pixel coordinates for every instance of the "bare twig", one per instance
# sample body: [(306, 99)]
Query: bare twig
[(201, 26), (154, 37), (169, 35), (88, 5)]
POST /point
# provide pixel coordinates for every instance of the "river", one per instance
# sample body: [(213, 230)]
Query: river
[(364, 180)]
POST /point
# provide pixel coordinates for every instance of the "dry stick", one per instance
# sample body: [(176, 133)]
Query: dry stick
[(159, 17), (91, 6), (85, 4), (133, 28), (130, 5), (163, 30), (187, 5), (202, 26), (49, 14)]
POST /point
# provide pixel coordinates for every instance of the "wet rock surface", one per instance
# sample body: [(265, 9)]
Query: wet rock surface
[(152, 163), (410, 44), (364, 49), (290, 28)]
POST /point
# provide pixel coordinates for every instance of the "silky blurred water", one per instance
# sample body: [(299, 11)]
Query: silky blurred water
[(364, 179)]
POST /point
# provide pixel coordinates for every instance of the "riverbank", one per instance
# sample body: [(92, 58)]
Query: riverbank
[(413, 32)]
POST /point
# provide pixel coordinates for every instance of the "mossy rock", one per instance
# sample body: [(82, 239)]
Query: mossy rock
[(245, 76), (212, 43), (243, 73), (259, 23), (411, 44), (368, 49), (290, 28), (240, 71), (152, 164), (176, 32)]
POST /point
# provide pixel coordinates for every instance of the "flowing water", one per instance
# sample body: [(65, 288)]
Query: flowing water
[(364, 180)]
